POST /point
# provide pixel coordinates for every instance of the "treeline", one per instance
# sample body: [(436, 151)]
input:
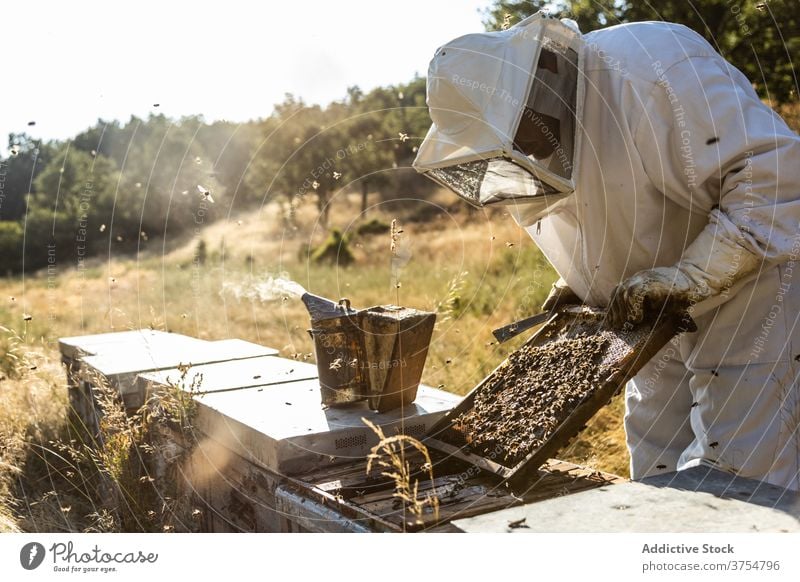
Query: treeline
[(117, 186)]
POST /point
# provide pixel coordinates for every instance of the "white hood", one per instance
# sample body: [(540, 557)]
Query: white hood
[(478, 87)]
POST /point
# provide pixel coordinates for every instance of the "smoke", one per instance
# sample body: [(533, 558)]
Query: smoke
[(267, 288)]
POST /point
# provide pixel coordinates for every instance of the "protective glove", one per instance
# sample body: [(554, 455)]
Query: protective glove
[(712, 264), (560, 294)]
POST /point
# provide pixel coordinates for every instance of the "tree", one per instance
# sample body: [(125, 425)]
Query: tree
[(74, 195), (25, 162), (299, 155), (229, 148), (401, 119), (10, 246), (365, 156)]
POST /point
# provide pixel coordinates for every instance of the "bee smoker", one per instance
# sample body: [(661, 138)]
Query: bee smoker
[(374, 354)]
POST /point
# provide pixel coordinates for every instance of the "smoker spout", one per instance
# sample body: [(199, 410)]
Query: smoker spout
[(320, 308)]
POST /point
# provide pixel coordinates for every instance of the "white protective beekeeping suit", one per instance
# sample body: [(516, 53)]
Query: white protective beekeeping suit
[(681, 181)]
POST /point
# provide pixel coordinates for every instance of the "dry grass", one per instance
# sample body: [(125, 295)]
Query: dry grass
[(54, 478), (389, 455), (478, 270)]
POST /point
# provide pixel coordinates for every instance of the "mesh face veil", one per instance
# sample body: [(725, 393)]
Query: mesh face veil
[(506, 107)]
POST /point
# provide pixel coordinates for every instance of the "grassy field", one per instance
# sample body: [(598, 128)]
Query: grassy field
[(477, 270)]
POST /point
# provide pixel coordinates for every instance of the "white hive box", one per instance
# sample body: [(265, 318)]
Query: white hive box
[(281, 425), (119, 363)]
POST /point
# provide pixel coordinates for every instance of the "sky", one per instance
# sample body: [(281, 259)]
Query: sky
[(67, 64)]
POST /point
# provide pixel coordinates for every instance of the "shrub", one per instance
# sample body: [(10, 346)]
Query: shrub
[(334, 249), (374, 226)]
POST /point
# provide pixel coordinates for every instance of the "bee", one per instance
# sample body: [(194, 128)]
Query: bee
[(509, 244), (336, 364), (661, 466), (315, 184), (713, 445), (337, 175), (205, 193), (27, 316), (517, 523), (102, 228), (403, 136), (695, 404)]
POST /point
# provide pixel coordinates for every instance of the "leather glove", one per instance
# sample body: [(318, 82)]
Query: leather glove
[(560, 294), (709, 266)]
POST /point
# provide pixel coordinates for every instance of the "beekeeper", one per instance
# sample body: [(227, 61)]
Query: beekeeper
[(652, 177)]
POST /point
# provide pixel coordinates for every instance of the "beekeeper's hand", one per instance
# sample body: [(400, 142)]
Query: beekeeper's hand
[(655, 291), (560, 295), (713, 263)]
